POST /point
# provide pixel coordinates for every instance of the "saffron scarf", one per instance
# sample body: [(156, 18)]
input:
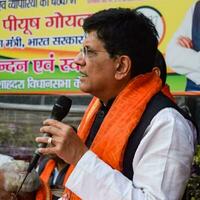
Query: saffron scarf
[(119, 123)]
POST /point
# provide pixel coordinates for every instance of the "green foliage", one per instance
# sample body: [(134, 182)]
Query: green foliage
[(193, 186), (197, 156)]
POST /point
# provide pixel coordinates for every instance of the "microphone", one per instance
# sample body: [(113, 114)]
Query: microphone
[(59, 111)]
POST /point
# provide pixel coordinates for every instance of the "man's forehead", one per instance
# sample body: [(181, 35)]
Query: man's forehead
[(91, 39)]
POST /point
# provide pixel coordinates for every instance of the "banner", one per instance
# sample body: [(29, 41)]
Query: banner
[(40, 38)]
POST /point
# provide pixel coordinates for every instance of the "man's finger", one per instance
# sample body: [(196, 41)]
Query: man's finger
[(51, 130), (47, 150), (52, 122), (47, 140), (42, 139), (185, 42)]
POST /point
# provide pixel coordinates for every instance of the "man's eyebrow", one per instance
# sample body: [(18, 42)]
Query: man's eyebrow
[(89, 48)]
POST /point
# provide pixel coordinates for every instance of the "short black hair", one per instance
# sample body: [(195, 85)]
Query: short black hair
[(128, 32)]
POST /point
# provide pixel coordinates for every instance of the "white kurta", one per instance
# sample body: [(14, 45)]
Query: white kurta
[(182, 60), (162, 165)]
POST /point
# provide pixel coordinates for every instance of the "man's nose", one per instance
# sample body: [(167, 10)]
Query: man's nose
[(79, 59)]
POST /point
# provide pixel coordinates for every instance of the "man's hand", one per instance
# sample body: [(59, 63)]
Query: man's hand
[(66, 144), (185, 42)]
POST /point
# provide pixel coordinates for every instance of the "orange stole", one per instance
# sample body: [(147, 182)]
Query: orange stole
[(44, 192), (119, 122), (48, 169), (166, 91)]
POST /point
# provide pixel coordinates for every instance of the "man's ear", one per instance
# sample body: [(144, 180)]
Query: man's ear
[(157, 71), (123, 67)]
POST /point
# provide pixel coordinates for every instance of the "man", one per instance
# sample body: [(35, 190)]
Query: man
[(182, 52), (160, 68), (182, 55), (52, 171), (115, 155), (12, 173)]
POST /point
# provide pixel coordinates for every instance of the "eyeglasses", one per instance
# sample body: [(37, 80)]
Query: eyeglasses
[(89, 53)]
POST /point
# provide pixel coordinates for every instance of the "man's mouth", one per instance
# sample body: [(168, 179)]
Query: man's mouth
[(82, 74)]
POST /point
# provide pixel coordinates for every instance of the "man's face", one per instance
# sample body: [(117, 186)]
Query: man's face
[(97, 68)]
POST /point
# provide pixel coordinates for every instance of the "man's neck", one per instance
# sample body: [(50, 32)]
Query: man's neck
[(112, 92)]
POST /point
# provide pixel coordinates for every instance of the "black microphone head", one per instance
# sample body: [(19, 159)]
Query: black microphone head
[(61, 108)]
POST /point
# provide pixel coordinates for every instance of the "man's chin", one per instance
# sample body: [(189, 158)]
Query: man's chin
[(84, 88)]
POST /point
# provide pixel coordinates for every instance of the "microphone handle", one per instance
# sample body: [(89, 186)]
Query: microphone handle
[(37, 154), (33, 162)]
